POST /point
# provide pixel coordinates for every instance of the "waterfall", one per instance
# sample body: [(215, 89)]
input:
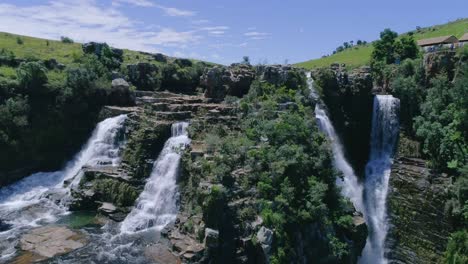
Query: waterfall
[(350, 186), (385, 130), (40, 197), (157, 205)]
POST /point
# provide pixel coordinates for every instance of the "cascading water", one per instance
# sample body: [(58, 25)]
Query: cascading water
[(157, 205), (350, 186), (41, 197), (385, 130)]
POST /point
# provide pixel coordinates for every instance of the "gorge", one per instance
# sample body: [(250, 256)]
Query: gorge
[(169, 160)]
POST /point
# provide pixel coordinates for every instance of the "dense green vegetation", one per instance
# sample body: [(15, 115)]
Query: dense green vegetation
[(361, 55), (280, 152), (434, 112), (48, 112)]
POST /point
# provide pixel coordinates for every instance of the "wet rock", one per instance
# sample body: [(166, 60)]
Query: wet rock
[(265, 238), (111, 111), (211, 238), (186, 246), (50, 241), (107, 208), (4, 226), (161, 254)]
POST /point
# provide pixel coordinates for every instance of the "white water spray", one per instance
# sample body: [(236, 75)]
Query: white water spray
[(385, 129), (350, 186), (157, 205), (39, 197)]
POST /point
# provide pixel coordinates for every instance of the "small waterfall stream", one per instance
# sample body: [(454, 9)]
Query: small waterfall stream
[(384, 137), (350, 186), (157, 205), (42, 197)]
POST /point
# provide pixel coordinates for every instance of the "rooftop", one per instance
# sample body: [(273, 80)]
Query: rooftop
[(464, 37), (437, 40)]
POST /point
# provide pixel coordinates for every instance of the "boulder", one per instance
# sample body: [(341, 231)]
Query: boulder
[(161, 254), (49, 241), (186, 246), (107, 208), (114, 56), (211, 238), (120, 94), (120, 83)]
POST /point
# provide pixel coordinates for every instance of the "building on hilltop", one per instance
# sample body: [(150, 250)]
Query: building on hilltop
[(437, 43), (463, 40)]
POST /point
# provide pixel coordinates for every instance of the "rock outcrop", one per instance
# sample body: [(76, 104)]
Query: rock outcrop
[(279, 75), (145, 76), (234, 80), (419, 228)]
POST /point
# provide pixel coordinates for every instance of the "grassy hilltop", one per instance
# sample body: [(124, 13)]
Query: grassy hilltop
[(358, 56)]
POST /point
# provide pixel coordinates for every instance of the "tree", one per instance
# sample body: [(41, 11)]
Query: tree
[(66, 40), (359, 42), (406, 48), (32, 77), (384, 48), (246, 60)]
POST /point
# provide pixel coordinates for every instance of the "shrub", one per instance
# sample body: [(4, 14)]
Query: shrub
[(66, 40)]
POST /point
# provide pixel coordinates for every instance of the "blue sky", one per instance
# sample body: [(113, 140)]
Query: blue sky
[(270, 31)]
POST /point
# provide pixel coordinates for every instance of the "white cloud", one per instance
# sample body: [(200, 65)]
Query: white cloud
[(172, 11), (214, 28), (200, 21), (255, 35), (216, 32), (143, 3), (84, 21)]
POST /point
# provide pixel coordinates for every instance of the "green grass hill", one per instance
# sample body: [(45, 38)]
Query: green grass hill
[(360, 55)]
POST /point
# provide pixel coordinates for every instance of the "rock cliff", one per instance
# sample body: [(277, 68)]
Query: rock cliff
[(419, 227)]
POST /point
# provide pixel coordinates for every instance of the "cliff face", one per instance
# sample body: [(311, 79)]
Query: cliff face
[(419, 227), (349, 99)]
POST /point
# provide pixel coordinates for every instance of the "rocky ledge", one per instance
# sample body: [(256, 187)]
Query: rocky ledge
[(419, 227), (47, 242)]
